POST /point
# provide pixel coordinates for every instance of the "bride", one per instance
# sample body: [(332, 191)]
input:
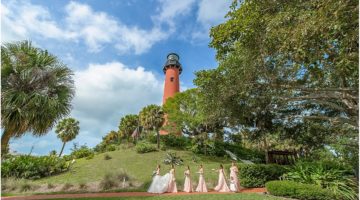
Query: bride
[(159, 183)]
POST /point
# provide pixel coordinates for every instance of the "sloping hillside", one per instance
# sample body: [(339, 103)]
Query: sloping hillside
[(138, 166)]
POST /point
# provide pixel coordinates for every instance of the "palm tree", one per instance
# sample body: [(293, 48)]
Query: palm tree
[(127, 125), (152, 117), (67, 130), (36, 91)]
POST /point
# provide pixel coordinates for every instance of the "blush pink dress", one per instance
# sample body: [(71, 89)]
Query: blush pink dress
[(172, 183), (222, 185), (187, 183), (201, 187), (234, 177)]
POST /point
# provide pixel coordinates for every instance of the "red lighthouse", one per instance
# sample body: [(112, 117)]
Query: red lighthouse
[(172, 69)]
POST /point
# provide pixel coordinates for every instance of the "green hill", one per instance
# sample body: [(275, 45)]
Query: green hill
[(138, 166)]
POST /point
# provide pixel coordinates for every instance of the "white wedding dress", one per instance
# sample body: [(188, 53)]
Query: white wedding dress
[(159, 183)]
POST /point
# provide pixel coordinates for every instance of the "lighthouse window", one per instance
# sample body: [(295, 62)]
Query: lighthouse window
[(172, 79)]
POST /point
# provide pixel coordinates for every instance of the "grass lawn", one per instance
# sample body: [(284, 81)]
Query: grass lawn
[(138, 166), (199, 197)]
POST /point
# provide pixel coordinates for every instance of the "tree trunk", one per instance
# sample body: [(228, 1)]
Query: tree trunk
[(158, 139), (62, 149), (266, 151), (5, 138)]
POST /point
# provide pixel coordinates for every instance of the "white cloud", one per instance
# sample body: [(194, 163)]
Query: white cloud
[(104, 93), (169, 10), (210, 13), (22, 20), (19, 20)]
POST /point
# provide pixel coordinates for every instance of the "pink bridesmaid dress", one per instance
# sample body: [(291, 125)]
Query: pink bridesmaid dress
[(187, 184), (202, 185), (234, 177), (172, 183), (222, 185)]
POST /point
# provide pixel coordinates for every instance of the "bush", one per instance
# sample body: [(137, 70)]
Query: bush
[(298, 190), (327, 175), (217, 148), (179, 142), (256, 175), (33, 167), (107, 157), (172, 159), (145, 147), (109, 181), (82, 152), (67, 186)]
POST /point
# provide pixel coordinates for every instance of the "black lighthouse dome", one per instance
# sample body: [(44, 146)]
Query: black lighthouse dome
[(172, 61)]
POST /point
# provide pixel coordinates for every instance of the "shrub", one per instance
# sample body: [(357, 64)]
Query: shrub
[(50, 185), (256, 175), (172, 159), (33, 167), (82, 185), (109, 181), (82, 152), (326, 175), (111, 147), (67, 186), (298, 190), (107, 157), (179, 142), (217, 148), (145, 147)]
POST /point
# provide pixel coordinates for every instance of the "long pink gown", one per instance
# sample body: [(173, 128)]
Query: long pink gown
[(187, 183), (201, 187), (172, 183), (222, 185), (233, 176)]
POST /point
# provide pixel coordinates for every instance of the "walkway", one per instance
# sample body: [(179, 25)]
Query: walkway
[(117, 194)]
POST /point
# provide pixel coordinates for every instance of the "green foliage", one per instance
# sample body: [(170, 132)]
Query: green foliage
[(283, 64), (113, 180), (36, 90), (256, 175), (151, 117), (179, 142), (217, 148), (107, 157), (32, 167), (172, 159), (67, 186), (329, 175), (298, 190), (67, 130), (82, 152), (145, 147), (184, 113), (113, 137), (127, 125)]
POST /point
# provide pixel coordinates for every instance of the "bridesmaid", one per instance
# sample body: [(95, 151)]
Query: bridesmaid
[(222, 185), (187, 184), (202, 185), (234, 177), (172, 183)]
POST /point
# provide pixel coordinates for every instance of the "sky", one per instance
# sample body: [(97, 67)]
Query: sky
[(117, 50)]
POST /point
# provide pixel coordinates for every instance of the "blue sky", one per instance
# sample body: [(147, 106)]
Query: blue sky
[(116, 50)]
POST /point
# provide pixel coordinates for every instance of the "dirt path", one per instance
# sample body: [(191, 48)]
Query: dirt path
[(118, 194)]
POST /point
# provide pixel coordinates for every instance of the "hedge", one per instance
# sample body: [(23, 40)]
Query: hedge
[(33, 167), (256, 175), (145, 147), (298, 190)]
